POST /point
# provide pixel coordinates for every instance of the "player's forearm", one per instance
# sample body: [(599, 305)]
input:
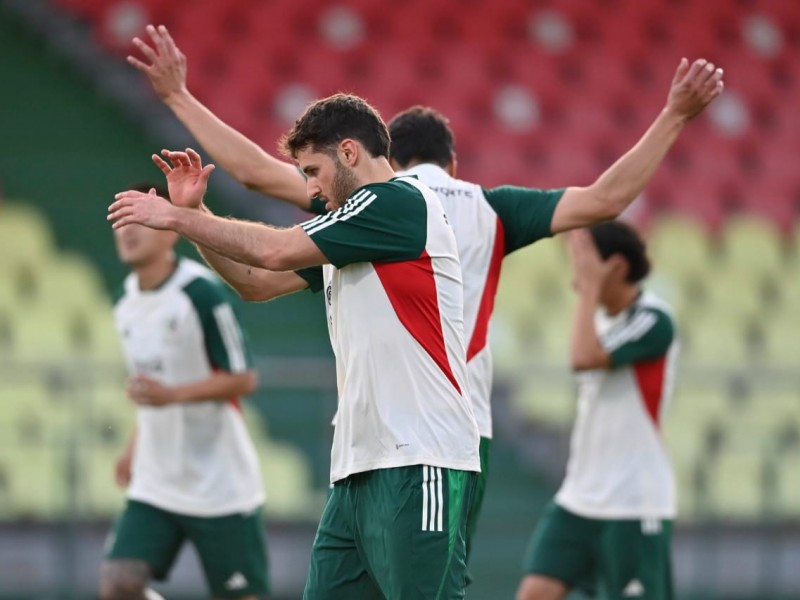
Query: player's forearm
[(241, 157), (252, 244), (586, 351), (130, 447), (621, 183), (220, 386)]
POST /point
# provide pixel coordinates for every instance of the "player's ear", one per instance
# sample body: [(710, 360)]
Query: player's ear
[(349, 151), (619, 267), (452, 167)]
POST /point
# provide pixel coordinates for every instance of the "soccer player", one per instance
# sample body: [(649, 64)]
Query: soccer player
[(405, 446), (191, 470), (488, 224), (610, 523)]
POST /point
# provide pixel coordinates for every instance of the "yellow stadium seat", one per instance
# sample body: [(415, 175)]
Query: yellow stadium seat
[(679, 247), (736, 483), (788, 496), (41, 337), (715, 339), (752, 245), (35, 481), (782, 340), (25, 234), (68, 282), (734, 291), (547, 399)]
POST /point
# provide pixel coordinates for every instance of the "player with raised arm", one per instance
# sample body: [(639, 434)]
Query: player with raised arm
[(405, 448), (488, 223), (190, 468), (610, 523)]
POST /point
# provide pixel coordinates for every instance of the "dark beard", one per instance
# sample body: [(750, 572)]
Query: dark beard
[(343, 185)]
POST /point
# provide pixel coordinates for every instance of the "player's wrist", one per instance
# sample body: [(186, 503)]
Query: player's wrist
[(176, 97)]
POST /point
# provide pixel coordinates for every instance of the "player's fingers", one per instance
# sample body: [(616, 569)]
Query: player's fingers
[(706, 73), (179, 158), (680, 72), (695, 69), (715, 78), (158, 42), (206, 172), (161, 164), (169, 44), (145, 68), (145, 49), (194, 158)]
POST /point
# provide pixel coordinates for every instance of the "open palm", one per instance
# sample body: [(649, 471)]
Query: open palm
[(187, 178)]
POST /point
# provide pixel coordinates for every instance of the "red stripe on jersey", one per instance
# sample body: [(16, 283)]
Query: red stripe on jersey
[(235, 402), (650, 377), (481, 331), (411, 288)]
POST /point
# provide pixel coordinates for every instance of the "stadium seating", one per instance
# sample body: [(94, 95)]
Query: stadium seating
[(595, 87)]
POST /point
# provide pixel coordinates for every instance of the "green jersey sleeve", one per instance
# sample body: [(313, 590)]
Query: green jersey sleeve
[(380, 222), (313, 275), (526, 213), (646, 336), (226, 345)]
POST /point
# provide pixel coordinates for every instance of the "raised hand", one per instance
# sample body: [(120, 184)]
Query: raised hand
[(694, 87), (167, 64), (145, 209), (588, 267), (187, 178)]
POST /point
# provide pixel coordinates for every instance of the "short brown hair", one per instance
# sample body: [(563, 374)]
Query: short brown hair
[(327, 122), (421, 134), (616, 237)]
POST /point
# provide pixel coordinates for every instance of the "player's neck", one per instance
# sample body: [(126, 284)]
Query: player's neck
[(620, 299), (375, 170), (155, 273)]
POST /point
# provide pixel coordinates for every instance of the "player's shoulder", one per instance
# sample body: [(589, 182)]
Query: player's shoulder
[(653, 312), (652, 303), (200, 285)]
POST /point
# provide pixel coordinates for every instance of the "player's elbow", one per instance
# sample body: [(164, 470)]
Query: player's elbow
[(608, 204), (249, 382), (584, 361)]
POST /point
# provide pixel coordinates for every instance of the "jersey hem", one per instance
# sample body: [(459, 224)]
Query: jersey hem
[(615, 514), (217, 511), (473, 465)]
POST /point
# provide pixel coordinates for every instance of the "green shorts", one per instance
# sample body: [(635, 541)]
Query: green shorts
[(624, 558), (393, 533), (231, 548), (480, 492)]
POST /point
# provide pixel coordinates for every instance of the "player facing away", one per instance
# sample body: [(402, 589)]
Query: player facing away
[(405, 446), (610, 523), (488, 224), (191, 470)]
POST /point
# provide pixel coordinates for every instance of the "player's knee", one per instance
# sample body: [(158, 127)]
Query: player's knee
[(123, 580), (534, 587)]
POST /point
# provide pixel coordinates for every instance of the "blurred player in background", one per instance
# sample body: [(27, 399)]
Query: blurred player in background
[(610, 524), (191, 470), (488, 223), (405, 446)]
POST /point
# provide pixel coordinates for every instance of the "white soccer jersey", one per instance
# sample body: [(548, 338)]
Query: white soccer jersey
[(618, 466), (193, 459), (394, 304), (488, 225)]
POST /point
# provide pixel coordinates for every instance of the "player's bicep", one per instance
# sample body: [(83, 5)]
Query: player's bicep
[(525, 213), (580, 207), (371, 228), (282, 181), (268, 285)]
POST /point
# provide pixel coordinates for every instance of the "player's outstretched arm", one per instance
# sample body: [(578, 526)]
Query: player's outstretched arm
[(693, 88), (589, 273), (251, 283), (253, 244), (166, 67), (219, 386)]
